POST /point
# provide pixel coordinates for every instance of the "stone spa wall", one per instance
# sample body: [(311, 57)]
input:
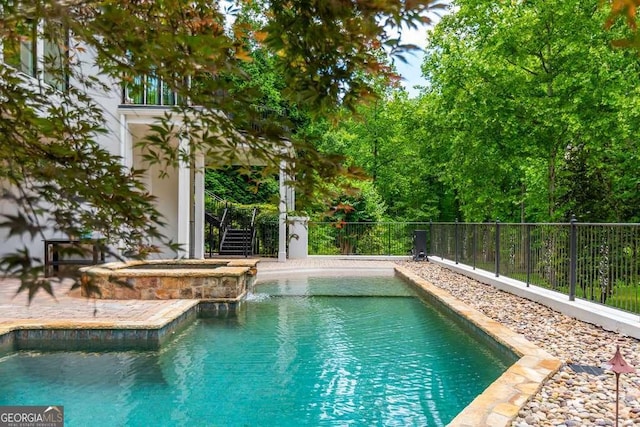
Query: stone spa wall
[(206, 279)]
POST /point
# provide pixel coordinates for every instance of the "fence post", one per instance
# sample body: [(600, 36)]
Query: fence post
[(389, 235), (431, 238), (455, 243), (528, 254), (573, 262), (473, 250), (497, 247), (442, 241)]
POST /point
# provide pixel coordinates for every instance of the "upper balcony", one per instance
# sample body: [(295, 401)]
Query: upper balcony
[(149, 91), (143, 96)]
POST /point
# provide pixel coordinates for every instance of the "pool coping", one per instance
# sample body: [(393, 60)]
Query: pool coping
[(213, 278), (153, 330), (100, 335), (499, 404)]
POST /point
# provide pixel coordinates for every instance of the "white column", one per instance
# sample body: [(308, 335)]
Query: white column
[(184, 202), (126, 146), (291, 195), (299, 232), (198, 212), (37, 47), (126, 155), (282, 207)]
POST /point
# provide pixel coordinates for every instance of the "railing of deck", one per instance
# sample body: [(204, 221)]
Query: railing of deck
[(149, 90)]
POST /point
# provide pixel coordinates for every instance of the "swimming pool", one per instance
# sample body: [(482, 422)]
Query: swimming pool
[(301, 351)]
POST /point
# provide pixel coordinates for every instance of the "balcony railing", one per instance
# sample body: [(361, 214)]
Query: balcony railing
[(149, 90)]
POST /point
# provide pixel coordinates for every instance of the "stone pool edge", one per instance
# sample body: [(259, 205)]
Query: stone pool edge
[(150, 332), (500, 403)]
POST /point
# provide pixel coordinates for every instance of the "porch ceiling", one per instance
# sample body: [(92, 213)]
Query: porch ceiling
[(215, 158)]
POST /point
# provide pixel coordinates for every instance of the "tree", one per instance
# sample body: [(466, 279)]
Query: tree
[(55, 175), (517, 85), (386, 139), (248, 189), (365, 207)]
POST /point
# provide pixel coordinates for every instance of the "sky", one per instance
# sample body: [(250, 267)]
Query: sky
[(410, 71)]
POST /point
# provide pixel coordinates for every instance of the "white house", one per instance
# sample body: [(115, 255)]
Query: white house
[(180, 194)]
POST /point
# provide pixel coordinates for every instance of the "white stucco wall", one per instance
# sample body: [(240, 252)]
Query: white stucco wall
[(12, 244), (166, 191), (107, 101)]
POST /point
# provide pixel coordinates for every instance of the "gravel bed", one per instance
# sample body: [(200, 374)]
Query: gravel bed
[(568, 398)]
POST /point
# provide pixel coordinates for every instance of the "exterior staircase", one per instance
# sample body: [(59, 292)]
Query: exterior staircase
[(229, 229), (237, 242)]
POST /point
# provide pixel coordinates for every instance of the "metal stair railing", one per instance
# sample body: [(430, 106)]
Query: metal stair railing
[(214, 210), (251, 235), (224, 226)]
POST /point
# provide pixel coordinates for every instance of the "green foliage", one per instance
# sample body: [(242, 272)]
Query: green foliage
[(244, 188), (585, 184), (382, 238), (514, 88), (58, 177), (387, 139), (322, 241), (327, 50), (362, 205)]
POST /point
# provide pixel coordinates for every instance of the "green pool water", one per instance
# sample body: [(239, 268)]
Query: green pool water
[(300, 352)]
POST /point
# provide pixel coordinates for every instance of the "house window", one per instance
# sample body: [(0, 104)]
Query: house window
[(19, 48), (54, 59), (48, 61), (152, 89)]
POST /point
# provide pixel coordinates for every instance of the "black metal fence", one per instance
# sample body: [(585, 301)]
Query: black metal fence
[(595, 262), (266, 241), (362, 238)]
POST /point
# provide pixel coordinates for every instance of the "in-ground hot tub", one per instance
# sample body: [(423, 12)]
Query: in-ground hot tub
[(220, 280)]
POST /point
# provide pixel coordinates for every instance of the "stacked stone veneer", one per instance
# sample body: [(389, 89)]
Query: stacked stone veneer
[(217, 280)]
